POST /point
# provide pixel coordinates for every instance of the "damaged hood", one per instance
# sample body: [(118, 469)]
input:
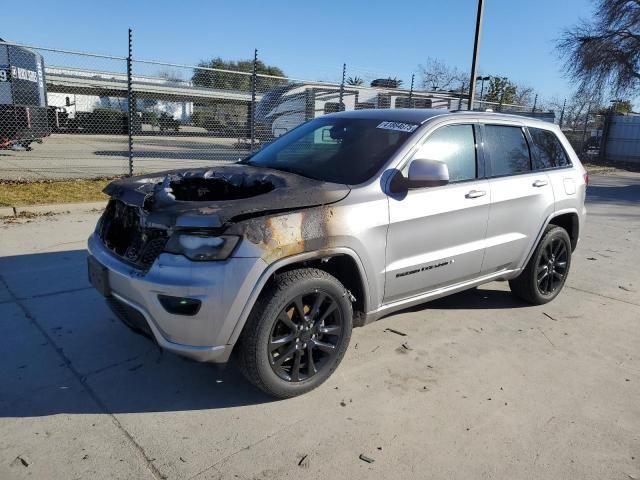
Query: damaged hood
[(215, 197)]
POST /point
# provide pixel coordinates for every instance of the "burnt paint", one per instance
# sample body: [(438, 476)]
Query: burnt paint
[(154, 194), (289, 214), (283, 235)]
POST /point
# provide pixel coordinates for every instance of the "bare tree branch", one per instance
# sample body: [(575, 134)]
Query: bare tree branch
[(437, 75), (604, 54)]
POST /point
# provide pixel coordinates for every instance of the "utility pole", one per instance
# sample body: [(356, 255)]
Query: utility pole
[(476, 48)]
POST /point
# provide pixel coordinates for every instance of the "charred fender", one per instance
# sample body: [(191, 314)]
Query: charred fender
[(283, 235)]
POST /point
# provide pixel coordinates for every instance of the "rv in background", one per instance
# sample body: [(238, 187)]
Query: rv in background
[(23, 98), (284, 107)]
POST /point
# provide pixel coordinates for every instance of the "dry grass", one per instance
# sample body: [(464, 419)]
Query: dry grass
[(596, 165), (15, 194)]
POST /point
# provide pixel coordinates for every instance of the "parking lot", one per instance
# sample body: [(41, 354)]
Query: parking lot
[(88, 156), (479, 386)]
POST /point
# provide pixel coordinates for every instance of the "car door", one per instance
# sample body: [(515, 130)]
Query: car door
[(521, 197), (436, 234), (548, 154)]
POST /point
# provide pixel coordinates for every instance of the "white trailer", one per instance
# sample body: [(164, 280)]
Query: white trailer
[(284, 107)]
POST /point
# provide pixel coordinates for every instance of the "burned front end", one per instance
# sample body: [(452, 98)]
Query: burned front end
[(179, 254), (123, 231)]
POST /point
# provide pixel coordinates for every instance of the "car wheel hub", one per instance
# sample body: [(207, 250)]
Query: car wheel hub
[(306, 336), (552, 266)]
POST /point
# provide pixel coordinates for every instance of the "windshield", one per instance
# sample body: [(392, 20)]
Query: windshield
[(341, 150)]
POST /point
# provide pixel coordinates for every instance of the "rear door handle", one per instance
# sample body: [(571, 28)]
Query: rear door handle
[(475, 194), (539, 183)]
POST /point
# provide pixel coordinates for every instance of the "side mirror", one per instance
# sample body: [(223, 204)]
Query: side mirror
[(427, 173)]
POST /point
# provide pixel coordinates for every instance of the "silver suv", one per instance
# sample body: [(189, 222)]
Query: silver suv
[(342, 220)]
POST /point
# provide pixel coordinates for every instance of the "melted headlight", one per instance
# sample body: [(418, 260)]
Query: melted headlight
[(202, 248)]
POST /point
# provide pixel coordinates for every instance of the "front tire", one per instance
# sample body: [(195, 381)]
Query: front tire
[(297, 333), (546, 273)]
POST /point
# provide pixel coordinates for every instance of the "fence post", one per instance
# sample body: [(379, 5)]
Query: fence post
[(413, 76), (584, 131), (130, 105), (604, 138), (344, 75), (535, 102), (460, 99), (562, 112), (254, 85)]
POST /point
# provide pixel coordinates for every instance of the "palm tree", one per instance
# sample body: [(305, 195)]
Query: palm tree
[(355, 81)]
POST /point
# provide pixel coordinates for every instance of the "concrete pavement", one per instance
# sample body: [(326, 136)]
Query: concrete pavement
[(62, 156), (481, 386)]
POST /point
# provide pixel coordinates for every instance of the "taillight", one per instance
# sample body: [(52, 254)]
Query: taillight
[(586, 178)]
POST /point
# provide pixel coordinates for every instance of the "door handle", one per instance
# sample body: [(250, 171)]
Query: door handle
[(475, 194), (539, 183)]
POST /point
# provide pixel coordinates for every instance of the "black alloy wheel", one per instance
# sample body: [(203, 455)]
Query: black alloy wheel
[(552, 266), (546, 272), (297, 333), (305, 337)]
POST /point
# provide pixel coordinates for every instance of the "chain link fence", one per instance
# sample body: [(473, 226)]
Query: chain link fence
[(62, 114), (67, 114)]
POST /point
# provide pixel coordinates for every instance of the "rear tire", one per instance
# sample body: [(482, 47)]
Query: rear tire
[(546, 272), (296, 334)]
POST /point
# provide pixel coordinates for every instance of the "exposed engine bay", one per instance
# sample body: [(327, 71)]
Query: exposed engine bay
[(144, 211)]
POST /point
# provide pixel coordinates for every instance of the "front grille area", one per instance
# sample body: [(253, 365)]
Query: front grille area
[(122, 232)]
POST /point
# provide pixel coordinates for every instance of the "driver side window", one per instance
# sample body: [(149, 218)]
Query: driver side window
[(454, 145)]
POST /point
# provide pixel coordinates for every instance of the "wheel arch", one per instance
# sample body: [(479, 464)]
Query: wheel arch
[(570, 221), (343, 263), (567, 219)]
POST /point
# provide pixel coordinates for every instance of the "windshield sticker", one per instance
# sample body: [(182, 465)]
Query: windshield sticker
[(399, 126)]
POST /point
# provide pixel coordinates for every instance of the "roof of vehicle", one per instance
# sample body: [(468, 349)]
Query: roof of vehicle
[(421, 115)]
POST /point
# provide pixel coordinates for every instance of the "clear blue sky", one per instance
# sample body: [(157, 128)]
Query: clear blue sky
[(313, 39)]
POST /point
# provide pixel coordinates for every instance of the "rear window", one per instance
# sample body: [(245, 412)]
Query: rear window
[(508, 150), (547, 150)]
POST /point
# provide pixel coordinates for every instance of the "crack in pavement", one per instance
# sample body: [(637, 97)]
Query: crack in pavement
[(41, 295), (603, 296), (243, 449), (110, 366), (82, 380)]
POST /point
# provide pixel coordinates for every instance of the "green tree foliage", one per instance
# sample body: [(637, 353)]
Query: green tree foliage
[(604, 53), (231, 81), (623, 106), (501, 90)]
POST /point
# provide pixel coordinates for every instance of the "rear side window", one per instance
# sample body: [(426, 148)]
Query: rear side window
[(547, 149), (508, 150), (454, 145)]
